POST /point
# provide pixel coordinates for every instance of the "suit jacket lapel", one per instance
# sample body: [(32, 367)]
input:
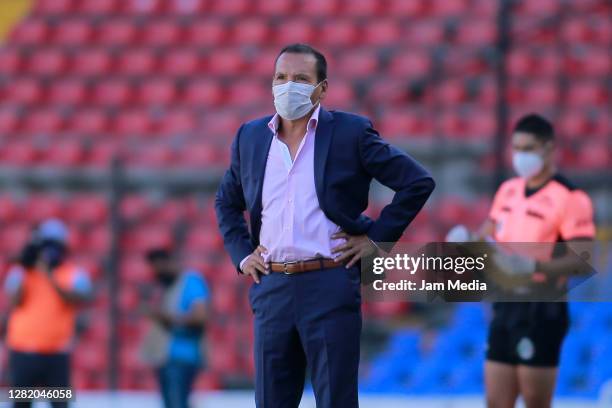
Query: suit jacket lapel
[(323, 137), (260, 157)]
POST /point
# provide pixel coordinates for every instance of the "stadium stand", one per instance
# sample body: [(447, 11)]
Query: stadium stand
[(165, 84)]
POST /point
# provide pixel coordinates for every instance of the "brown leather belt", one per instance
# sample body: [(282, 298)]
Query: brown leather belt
[(303, 266)]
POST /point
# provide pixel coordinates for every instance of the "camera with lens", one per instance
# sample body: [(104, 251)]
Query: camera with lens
[(52, 252)]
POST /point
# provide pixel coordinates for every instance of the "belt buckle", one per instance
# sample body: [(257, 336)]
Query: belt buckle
[(289, 263)]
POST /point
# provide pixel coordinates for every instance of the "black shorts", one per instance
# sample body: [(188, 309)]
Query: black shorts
[(534, 343)]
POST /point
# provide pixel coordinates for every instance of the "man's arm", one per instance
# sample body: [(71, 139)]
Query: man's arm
[(80, 290), (395, 169), (230, 206)]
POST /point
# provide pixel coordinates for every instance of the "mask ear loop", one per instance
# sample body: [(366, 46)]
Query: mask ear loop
[(314, 89)]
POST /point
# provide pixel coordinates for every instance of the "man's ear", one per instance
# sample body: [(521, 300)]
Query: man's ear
[(324, 85)]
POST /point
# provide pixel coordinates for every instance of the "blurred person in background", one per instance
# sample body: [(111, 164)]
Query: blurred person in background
[(304, 175), (173, 343), (538, 206), (45, 290)]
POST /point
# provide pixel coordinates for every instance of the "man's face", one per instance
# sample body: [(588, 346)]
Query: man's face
[(526, 142), (165, 270), (300, 68)]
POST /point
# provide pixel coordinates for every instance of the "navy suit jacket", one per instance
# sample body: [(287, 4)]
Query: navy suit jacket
[(348, 154)]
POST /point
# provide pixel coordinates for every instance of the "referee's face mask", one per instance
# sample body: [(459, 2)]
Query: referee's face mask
[(529, 156)]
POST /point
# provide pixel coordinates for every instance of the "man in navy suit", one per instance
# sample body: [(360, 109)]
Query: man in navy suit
[(304, 175)]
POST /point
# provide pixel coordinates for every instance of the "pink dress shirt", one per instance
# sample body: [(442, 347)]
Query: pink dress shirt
[(293, 226)]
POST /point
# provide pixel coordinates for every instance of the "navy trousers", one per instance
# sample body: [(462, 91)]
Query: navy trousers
[(175, 382), (311, 318)]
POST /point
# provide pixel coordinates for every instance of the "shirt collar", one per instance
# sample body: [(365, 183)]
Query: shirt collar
[(312, 122)]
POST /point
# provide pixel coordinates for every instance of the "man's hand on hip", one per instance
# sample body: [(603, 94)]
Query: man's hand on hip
[(355, 248), (255, 264)]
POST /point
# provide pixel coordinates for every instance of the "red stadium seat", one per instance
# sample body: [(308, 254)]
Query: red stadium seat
[(116, 32), (136, 62), (10, 61), (522, 62), (39, 207), (87, 122), (362, 8), (340, 95), (33, 31), (319, 8), (593, 155), (49, 61), (19, 152), (177, 122), (404, 123), (134, 208), (410, 64), (382, 32), (112, 92), (141, 7), (73, 32), (577, 30), (9, 209), (87, 209), (226, 62), (537, 8), (187, 7), (204, 92), (164, 32), (275, 7), (588, 6), (477, 33), (13, 238), (451, 92), (587, 93), (341, 33), (44, 121), (25, 91), (157, 91), (9, 120), (145, 237), (51, 7), (231, 7), (403, 8), (294, 30), (220, 124), (250, 31), (206, 32), (182, 62), (99, 238), (70, 92), (151, 155), (589, 62), (198, 154), (392, 91), (358, 64), (65, 153), (545, 93), (448, 8), (534, 31), (91, 62), (133, 122), (98, 7), (426, 33), (248, 93)]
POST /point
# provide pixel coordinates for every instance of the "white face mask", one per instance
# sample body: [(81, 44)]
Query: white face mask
[(527, 164), (292, 99)]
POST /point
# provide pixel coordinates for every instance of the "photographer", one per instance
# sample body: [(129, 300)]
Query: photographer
[(45, 290)]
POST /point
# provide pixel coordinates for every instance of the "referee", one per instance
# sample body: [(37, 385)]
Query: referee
[(538, 206)]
